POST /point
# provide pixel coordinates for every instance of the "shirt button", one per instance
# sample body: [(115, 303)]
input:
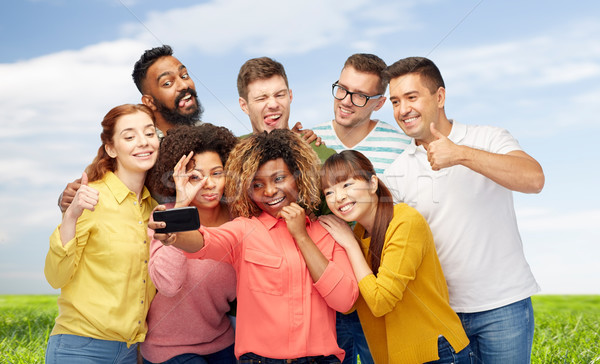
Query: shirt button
[(142, 302), (144, 241), (139, 322), (144, 281), (140, 222), (145, 261)]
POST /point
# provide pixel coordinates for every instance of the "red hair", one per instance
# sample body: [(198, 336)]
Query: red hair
[(103, 162)]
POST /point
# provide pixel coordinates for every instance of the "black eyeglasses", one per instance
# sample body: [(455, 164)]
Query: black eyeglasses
[(356, 98)]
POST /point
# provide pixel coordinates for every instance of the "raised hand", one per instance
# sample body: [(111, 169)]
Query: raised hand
[(86, 197), (165, 238), (339, 230), (295, 218), (68, 194), (307, 134), (442, 152), (187, 184)]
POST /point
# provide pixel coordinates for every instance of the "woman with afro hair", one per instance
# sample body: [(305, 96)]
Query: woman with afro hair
[(292, 276), (188, 321)]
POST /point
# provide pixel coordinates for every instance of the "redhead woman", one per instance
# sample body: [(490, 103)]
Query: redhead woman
[(99, 254)]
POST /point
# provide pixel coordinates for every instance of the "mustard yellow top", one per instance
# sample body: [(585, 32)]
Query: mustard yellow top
[(405, 308), (103, 271)]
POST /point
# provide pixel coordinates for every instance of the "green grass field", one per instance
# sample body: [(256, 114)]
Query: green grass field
[(567, 328)]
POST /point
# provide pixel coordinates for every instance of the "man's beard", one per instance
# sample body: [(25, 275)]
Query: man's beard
[(174, 117)]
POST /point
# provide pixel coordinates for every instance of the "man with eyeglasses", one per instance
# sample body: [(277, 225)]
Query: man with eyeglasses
[(357, 94)]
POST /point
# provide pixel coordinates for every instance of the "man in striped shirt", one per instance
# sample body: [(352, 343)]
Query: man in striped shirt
[(358, 92)]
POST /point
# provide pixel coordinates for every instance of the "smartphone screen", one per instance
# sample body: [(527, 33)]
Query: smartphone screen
[(178, 219)]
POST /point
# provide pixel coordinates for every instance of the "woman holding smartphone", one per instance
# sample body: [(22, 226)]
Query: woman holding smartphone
[(98, 255), (292, 276), (403, 304), (188, 319)]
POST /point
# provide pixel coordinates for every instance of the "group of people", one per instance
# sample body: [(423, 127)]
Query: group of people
[(351, 241)]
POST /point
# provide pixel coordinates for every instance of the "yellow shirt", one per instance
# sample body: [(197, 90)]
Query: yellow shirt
[(404, 309), (103, 271)]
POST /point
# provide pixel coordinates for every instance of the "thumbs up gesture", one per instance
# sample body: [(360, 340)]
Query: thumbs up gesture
[(86, 197), (442, 152)]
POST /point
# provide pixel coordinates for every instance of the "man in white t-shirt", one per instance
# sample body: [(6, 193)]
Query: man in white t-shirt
[(357, 94), (460, 178)]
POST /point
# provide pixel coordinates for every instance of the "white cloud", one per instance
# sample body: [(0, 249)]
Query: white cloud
[(269, 26), (69, 89), (567, 54)]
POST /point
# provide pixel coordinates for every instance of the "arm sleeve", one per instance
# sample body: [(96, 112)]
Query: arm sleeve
[(338, 285), (62, 261), (167, 268), (222, 243), (403, 252), (497, 140)]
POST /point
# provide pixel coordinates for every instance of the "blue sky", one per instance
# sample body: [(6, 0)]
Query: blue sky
[(531, 67)]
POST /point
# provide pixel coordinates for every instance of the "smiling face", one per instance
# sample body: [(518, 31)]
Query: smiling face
[(169, 90), (273, 187), (209, 165), (347, 114), (353, 200), (135, 144), (416, 107), (268, 104)]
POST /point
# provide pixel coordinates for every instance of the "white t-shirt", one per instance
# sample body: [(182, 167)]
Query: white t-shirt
[(472, 219), (381, 146)]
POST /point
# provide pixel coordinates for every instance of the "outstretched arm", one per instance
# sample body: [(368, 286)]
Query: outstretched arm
[(516, 170), (188, 241)]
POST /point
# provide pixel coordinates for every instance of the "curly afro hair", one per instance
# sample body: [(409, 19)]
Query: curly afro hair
[(182, 140), (251, 153)]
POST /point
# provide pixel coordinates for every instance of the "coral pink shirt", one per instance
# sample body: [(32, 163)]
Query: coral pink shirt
[(281, 312)]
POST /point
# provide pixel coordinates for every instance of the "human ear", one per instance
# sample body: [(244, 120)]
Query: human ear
[(441, 97), (110, 151), (380, 103), (149, 101), (244, 105), (373, 184)]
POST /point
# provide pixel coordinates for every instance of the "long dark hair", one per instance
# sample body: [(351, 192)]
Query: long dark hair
[(352, 164)]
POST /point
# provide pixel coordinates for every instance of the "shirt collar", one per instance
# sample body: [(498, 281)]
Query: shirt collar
[(118, 188), (458, 132)]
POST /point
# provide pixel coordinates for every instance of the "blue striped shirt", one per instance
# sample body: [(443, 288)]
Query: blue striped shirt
[(381, 146)]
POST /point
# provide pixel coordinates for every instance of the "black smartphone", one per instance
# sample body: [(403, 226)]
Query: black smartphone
[(178, 219)]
